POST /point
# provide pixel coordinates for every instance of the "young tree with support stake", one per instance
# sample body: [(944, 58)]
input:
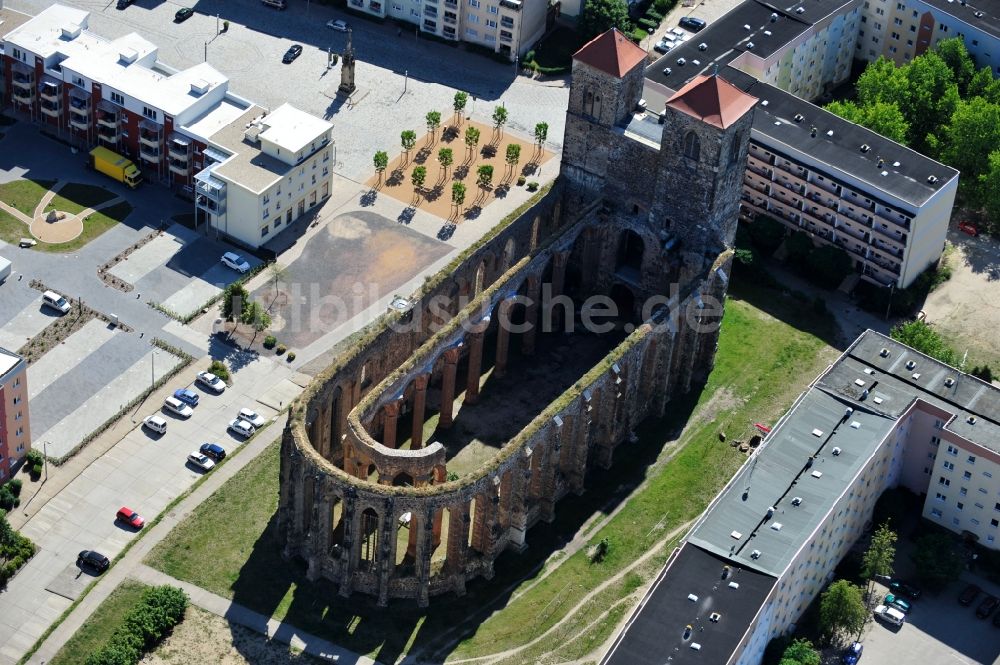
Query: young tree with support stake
[(513, 155), (471, 138), (381, 161), (541, 134), (499, 118), (418, 177), (879, 556), (458, 194), (461, 98), (484, 176), (408, 139), (433, 120), (445, 158)]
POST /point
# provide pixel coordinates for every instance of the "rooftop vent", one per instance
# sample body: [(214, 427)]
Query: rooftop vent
[(817, 432), (916, 376), (71, 32), (878, 400), (884, 173), (979, 14), (949, 382), (767, 33), (932, 179), (714, 617), (725, 572), (703, 46), (817, 474), (971, 420), (696, 63), (764, 103), (800, 10), (799, 117), (797, 501), (777, 526), (693, 598), (667, 70), (774, 17), (880, 162), (855, 424), (860, 383), (836, 451), (910, 364), (770, 512), (696, 646), (755, 554), (688, 629), (735, 534), (865, 147), (681, 61), (746, 26), (829, 132), (734, 585), (749, 46), (884, 352), (199, 87), (812, 131), (895, 164)]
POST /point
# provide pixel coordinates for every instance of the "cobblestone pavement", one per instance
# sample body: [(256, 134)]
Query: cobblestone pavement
[(400, 77)]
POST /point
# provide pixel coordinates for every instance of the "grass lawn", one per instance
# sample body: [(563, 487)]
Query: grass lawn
[(11, 229), (678, 465), (97, 630), (74, 198), (93, 226), (24, 194)]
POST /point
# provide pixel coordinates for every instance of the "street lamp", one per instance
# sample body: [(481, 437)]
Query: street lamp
[(45, 458), (152, 371)]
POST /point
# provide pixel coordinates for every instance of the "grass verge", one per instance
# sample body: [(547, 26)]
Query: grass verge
[(93, 226), (98, 628), (25, 195), (761, 365), (75, 197), (11, 228)]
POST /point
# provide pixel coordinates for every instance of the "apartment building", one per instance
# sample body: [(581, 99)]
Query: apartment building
[(183, 128), (507, 27), (882, 416), (903, 29), (15, 430), (885, 205)]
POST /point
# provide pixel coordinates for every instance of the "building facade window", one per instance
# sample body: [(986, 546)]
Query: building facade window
[(692, 146), (118, 98)]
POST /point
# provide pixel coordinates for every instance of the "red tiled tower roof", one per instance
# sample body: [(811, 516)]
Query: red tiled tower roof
[(712, 100), (611, 52)]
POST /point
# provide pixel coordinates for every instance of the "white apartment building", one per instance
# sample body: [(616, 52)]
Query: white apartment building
[(507, 27), (882, 416), (903, 29), (262, 170)]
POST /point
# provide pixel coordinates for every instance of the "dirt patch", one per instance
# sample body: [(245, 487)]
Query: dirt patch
[(435, 195), (206, 638)]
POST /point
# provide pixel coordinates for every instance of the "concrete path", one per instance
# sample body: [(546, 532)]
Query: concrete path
[(47, 198), (63, 358), (26, 324), (243, 616), (14, 212)]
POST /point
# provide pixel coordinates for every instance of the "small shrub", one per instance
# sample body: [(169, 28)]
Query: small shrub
[(33, 458), (654, 15), (638, 35), (532, 186), (7, 499), (281, 349), (529, 56), (270, 341), (15, 486), (648, 23), (290, 357), (521, 180), (36, 471), (219, 369)]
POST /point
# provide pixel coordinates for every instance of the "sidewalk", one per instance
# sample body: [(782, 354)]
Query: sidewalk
[(243, 616)]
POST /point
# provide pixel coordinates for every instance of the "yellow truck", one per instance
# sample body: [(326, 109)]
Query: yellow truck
[(115, 166)]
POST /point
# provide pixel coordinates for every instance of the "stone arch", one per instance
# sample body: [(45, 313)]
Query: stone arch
[(336, 518), (406, 543), (535, 230), (372, 471), (631, 250), (734, 150), (507, 258), (692, 146), (624, 300), (402, 479), (368, 542), (475, 507), (480, 280)]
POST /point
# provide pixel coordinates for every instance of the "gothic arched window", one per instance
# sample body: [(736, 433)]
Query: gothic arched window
[(692, 146), (734, 152)]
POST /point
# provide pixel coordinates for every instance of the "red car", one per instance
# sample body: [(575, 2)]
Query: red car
[(130, 517), (968, 227)]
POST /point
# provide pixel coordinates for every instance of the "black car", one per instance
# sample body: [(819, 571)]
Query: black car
[(693, 24), (901, 588), (213, 450), (987, 606), (183, 14), (95, 560), (293, 52), (968, 594)]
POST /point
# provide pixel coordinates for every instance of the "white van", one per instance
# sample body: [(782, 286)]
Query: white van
[(176, 406), (156, 424), (56, 301), (890, 615)]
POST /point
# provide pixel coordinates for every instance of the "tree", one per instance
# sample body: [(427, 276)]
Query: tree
[(458, 194), (601, 15), (499, 117), (433, 120), (234, 301), (408, 139), (882, 81), (882, 117), (932, 99), (418, 177), (254, 315), (971, 135), (445, 158), (879, 556), (961, 64), (989, 191), (984, 85), (766, 233), (461, 98), (471, 138), (541, 134), (923, 338), (484, 176), (936, 560), (800, 652), (278, 272), (513, 155), (841, 610), (381, 161)]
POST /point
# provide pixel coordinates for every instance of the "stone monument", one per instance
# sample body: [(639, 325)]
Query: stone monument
[(347, 86)]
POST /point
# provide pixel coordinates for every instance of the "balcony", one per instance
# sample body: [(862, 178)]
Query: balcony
[(150, 154), (108, 133), (450, 19), (893, 221), (50, 91), (178, 148), (451, 3), (794, 188), (431, 12), (180, 167), (108, 120), (827, 186), (24, 95), (23, 80), (790, 180), (507, 22), (881, 246), (511, 4), (757, 185), (150, 139), (506, 38), (79, 120), (894, 235), (49, 108)]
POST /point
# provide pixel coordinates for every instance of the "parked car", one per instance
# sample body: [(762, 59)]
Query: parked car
[(338, 25), (56, 302), (890, 615), (968, 594), (123, 4), (693, 24), (93, 559), (853, 653), (242, 427), (201, 461), (212, 382), (187, 396), (900, 587), (968, 227), (252, 417), (232, 259), (174, 405), (130, 517), (894, 601), (157, 424), (183, 14), (664, 45), (987, 606), (293, 52), (213, 450)]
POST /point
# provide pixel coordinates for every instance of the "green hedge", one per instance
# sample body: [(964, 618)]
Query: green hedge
[(160, 609), (15, 550)]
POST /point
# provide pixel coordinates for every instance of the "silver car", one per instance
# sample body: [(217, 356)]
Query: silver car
[(242, 427), (251, 417), (203, 462), (212, 382), (174, 405)]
